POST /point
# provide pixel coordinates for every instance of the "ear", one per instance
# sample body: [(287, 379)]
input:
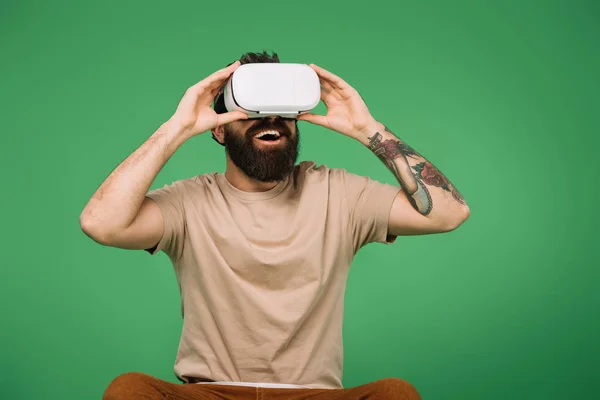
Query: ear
[(218, 134)]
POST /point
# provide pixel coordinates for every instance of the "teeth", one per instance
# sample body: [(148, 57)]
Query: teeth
[(261, 134)]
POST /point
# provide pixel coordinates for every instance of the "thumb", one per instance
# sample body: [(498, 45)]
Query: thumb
[(313, 119), (230, 117)]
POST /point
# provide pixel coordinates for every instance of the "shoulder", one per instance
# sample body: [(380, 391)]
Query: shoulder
[(185, 186), (207, 180), (310, 170), (352, 184)]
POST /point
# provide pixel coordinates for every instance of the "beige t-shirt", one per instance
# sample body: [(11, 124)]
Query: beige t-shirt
[(262, 275)]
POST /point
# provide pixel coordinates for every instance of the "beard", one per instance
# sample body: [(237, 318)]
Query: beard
[(266, 164)]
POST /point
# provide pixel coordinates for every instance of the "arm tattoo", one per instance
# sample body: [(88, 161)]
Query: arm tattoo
[(395, 153)]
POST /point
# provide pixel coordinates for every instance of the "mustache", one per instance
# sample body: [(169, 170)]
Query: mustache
[(268, 124)]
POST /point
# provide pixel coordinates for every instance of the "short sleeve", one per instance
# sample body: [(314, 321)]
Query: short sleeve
[(370, 203), (169, 200)]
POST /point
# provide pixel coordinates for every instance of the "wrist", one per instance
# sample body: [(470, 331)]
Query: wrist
[(369, 131), (175, 130), (171, 136)]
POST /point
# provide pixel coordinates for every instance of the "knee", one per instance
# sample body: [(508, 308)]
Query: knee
[(125, 386), (396, 389)]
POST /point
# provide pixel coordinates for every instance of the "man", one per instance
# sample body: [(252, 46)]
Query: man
[(262, 252)]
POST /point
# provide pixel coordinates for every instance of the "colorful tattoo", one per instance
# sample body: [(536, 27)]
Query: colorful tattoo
[(394, 153), (406, 149), (429, 174)]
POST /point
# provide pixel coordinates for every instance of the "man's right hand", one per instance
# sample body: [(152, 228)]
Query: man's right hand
[(120, 214), (194, 114)]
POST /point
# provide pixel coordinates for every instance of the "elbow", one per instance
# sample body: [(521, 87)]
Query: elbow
[(457, 219), (94, 232)]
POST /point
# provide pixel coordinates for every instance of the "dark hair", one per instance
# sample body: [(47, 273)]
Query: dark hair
[(263, 57), (246, 58)]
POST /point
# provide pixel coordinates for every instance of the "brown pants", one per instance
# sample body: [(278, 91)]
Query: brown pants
[(135, 385)]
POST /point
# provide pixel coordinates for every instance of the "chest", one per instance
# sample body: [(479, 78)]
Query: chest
[(277, 246)]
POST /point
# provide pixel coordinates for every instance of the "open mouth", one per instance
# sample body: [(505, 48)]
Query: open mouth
[(268, 136)]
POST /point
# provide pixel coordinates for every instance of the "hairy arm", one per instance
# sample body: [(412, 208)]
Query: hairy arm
[(120, 213), (109, 215)]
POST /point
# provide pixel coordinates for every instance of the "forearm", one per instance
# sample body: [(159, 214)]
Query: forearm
[(115, 204), (427, 189)]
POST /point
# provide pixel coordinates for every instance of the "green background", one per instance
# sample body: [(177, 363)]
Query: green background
[(501, 95)]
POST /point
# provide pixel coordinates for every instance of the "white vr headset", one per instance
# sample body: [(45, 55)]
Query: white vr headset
[(264, 89)]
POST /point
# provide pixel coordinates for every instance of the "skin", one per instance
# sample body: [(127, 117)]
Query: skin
[(428, 203), (234, 175), (120, 215)]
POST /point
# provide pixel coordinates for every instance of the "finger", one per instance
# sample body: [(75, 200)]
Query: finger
[(329, 93), (222, 74), (313, 119), (329, 98), (231, 116), (327, 85), (325, 94), (331, 78), (216, 90), (216, 79)]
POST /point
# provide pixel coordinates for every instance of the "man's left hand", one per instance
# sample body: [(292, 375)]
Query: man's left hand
[(347, 113)]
